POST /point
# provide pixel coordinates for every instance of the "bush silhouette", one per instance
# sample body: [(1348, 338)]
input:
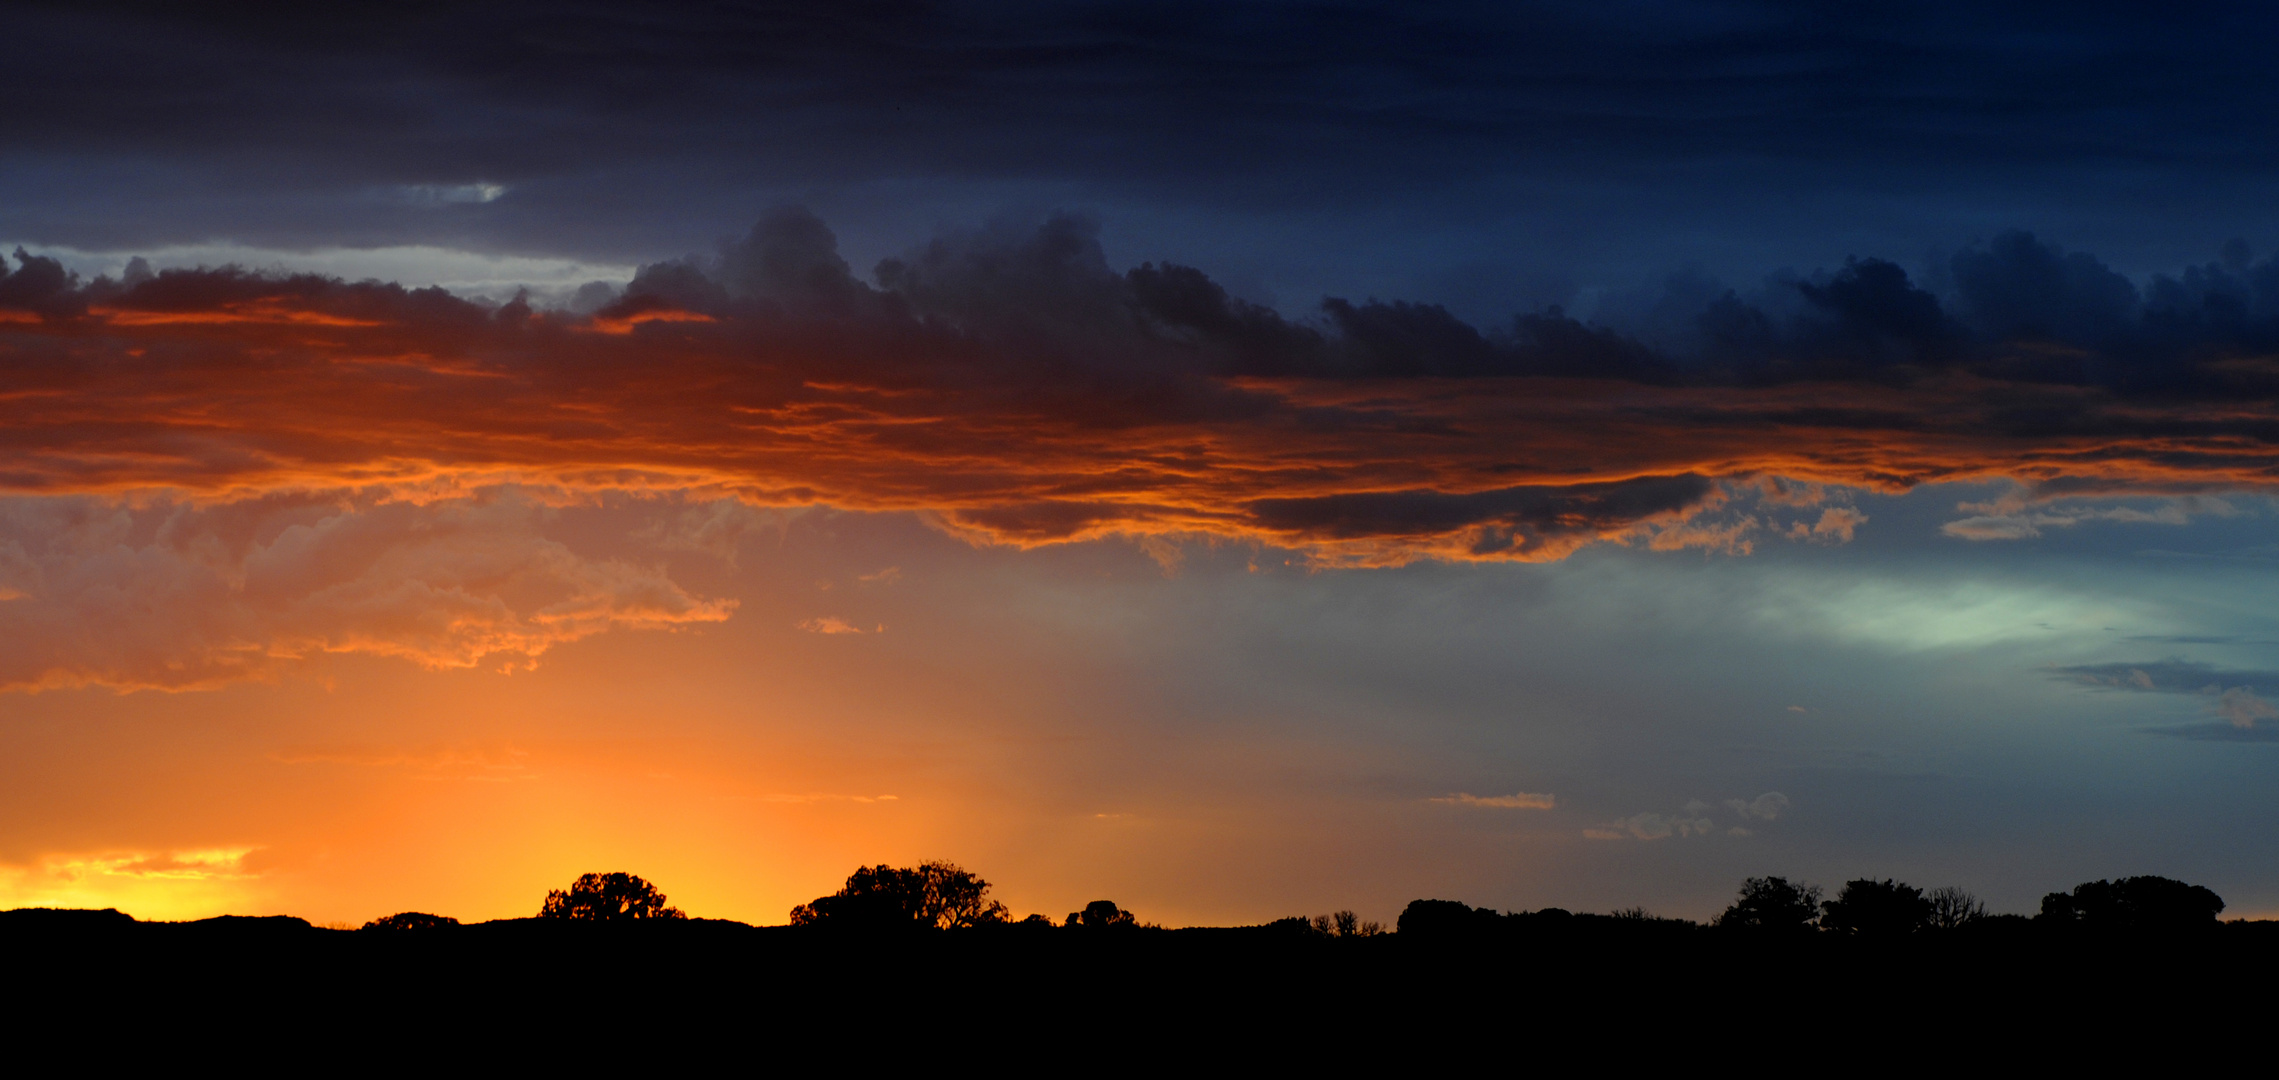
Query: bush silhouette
[(608, 898), (933, 895), (1101, 915), (411, 920), (1871, 908), (1772, 904), (2135, 903)]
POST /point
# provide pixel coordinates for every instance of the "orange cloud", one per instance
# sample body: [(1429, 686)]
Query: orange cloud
[(1041, 399), (169, 594), (1370, 472), (830, 624), (258, 312)]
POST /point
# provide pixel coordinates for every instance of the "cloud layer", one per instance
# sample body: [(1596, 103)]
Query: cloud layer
[(1019, 390), (2236, 697), (216, 470)]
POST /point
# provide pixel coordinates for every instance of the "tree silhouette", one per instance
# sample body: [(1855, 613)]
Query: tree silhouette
[(874, 897), (957, 899), (933, 895), (2135, 903), (1871, 908), (1772, 904), (411, 920), (1444, 919), (1102, 915), (608, 898), (1952, 907)]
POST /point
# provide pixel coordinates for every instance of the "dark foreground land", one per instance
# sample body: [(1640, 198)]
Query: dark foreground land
[(1595, 992)]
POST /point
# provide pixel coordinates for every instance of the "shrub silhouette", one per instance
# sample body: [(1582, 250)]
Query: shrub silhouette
[(1871, 908), (1772, 904), (933, 895), (411, 920), (608, 898), (2135, 903), (1101, 915)]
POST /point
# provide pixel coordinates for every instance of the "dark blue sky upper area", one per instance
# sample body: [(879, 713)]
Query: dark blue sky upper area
[(1492, 157)]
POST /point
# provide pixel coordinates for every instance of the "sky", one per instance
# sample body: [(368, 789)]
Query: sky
[(1238, 460)]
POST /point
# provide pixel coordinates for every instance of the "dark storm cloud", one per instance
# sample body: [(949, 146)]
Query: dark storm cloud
[(141, 123), (2019, 310), (1512, 520), (39, 286)]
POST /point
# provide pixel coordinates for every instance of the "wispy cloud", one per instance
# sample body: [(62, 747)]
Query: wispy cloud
[(2216, 732), (1765, 807), (2242, 708), (2230, 695), (443, 762), (186, 865), (2170, 676), (1691, 820), (831, 624), (1651, 826), (181, 594), (816, 797), (450, 194), (716, 527), (1516, 801), (1837, 525), (2017, 517)]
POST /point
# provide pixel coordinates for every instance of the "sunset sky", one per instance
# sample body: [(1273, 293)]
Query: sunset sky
[(1236, 459)]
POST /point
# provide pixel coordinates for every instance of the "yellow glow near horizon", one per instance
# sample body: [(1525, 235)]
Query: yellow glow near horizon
[(149, 885)]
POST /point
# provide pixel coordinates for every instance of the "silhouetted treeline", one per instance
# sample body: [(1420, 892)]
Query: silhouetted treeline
[(941, 897), (1774, 908), (913, 959)]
